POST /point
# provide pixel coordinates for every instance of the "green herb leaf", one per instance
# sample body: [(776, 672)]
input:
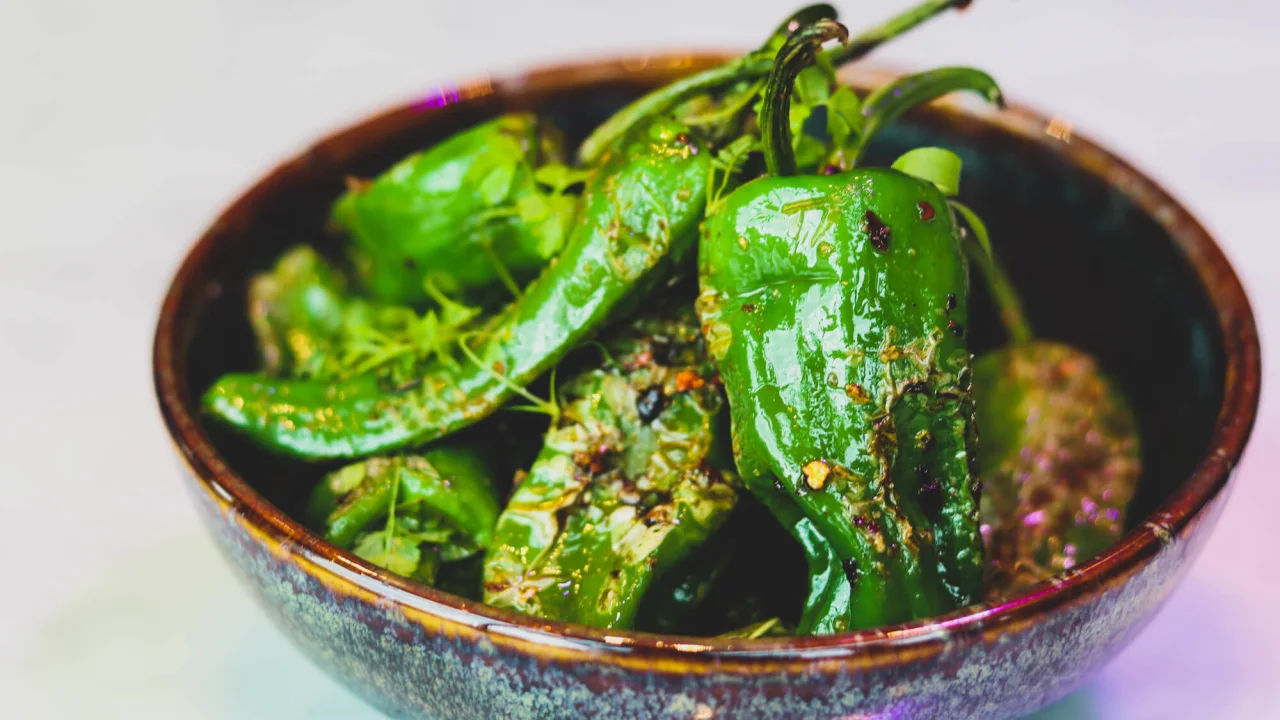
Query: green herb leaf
[(533, 207), (798, 116), (843, 117), (559, 177), (557, 223), (809, 151), (453, 314), (346, 479), (732, 156), (389, 550), (728, 162), (813, 86), (497, 184), (936, 165)]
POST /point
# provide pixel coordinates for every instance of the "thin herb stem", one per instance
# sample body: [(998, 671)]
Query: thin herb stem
[(500, 268), (978, 248)]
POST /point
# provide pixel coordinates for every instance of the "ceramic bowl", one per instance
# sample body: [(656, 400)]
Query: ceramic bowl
[(1107, 261)]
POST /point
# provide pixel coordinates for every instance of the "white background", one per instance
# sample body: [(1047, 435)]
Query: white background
[(125, 126)]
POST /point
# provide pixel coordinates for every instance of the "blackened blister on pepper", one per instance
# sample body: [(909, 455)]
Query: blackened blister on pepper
[(877, 232)]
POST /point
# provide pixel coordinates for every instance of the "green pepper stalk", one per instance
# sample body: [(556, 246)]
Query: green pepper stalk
[(835, 307), (1061, 453), (640, 212), (469, 212), (409, 513), (754, 65), (624, 488)]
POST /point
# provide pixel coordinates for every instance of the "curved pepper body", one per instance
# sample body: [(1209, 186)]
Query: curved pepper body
[(835, 308), (455, 209), (295, 311), (1060, 462), (443, 497), (622, 490), (641, 209)]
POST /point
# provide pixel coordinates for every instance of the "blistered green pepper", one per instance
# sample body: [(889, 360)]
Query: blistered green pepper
[(409, 513), (835, 307), (469, 210), (1061, 454), (623, 489), (1060, 461), (641, 209)]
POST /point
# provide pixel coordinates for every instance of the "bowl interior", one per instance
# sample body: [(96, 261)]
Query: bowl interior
[(1095, 269)]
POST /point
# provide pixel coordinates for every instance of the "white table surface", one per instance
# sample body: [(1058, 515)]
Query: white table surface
[(125, 126)]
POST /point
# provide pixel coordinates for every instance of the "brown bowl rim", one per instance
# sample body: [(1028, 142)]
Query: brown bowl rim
[(344, 572)]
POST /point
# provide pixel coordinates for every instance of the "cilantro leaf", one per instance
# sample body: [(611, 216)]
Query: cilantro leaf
[(389, 550)]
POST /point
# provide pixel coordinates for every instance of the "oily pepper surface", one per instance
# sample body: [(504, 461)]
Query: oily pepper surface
[(836, 312), (464, 210), (835, 307), (624, 488), (640, 212)]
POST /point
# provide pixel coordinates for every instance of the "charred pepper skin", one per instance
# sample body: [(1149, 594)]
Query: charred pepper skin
[(835, 314), (451, 482), (641, 208), (413, 515), (618, 495), (1060, 463), (453, 210), (1061, 447), (835, 309)]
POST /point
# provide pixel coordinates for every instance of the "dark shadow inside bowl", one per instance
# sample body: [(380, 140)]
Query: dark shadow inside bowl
[(1094, 268)]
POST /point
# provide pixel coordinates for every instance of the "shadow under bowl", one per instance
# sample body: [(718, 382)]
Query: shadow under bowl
[(1106, 261)]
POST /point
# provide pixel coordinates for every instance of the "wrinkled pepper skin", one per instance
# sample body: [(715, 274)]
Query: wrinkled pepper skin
[(449, 483), (835, 308), (437, 210), (1060, 461), (641, 209), (622, 490)]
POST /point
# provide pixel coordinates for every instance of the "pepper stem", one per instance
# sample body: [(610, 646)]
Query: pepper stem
[(806, 15), (797, 54), (869, 40), (748, 67)]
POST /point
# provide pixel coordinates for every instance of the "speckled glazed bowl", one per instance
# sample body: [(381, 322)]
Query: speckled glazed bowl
[(1107, 261)]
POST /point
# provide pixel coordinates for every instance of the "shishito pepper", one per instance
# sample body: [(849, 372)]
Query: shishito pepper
[(1060, 461), (835, 307), (409, 513), (641, 208), (624, 488), (1061, 452), (469, 210)]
